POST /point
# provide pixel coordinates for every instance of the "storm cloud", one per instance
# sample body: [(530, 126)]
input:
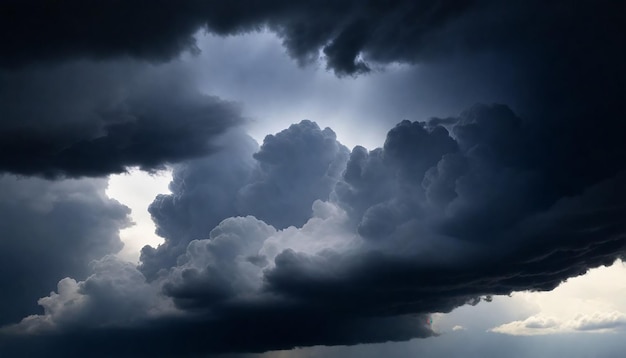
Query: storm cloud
[(51, 230), (85, 119), (349, 34), (278, 184), (299, 241), (342, 29), (384, 260), (568, 74)]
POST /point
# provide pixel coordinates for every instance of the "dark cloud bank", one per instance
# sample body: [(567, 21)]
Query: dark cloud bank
[(86, 119), (435, 219), (301, 241), (568, 56), (50, 230)]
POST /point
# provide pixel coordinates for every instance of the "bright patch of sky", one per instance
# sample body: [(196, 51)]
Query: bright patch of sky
[(137, 189)]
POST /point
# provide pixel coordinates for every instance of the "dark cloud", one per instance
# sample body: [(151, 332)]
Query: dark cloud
[(38, 30), (348, 33), (84, 119), (234, 333), (216, 289), (566, 73), (51, 230), (372, 179), (337, 248), (204, 193), (296, 167), (332, 279), (277, 184)]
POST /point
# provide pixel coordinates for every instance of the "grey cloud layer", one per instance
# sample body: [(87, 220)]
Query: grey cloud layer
[(338, 247), (277, 184), (566, 73), (400, 235), (342, 28), (88, 119), (51, 230)]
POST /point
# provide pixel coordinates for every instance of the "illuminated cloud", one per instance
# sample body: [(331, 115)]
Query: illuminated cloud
[(300, 241)]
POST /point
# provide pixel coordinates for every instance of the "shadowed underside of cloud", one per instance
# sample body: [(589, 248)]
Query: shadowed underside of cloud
[(300, 241), (38, 30), (89, 119), (348, 33), (277, 184), (197, 337), (51, 230), (66, 120), (437, 218)]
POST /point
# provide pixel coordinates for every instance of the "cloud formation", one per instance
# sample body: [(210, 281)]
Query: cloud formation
[(568, 73), (86, 119), (341, 30), (320, 244), (277, 184), (538, 325), (51, 230), (458, 212), (348, 34)]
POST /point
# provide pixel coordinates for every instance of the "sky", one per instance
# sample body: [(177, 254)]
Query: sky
[(312, 178)]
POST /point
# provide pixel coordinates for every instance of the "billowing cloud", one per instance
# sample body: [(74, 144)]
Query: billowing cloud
[(459, 212), (50, 230), (216, 291), (299, 241), (277, 184), (296, 167), (600, 322), (204, 193), (115, 294), (88, 119)]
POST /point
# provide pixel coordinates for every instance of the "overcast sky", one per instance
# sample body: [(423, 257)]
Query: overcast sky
[(312, 178)]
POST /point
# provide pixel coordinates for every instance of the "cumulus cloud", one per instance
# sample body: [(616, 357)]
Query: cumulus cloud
[(50, 230), (539, 325), (295, 167), (115, 294), (299, 241), (203, 193), (423, 242), (216, 291), (277, 184), (342, 30)]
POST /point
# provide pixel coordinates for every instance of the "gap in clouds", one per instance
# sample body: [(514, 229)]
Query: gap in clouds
[(137, 189), (255, 69)]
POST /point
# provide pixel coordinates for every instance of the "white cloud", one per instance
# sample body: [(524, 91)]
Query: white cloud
[(533, 325), (598, 322), (601, 321), (115, 294), (594, 302)]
